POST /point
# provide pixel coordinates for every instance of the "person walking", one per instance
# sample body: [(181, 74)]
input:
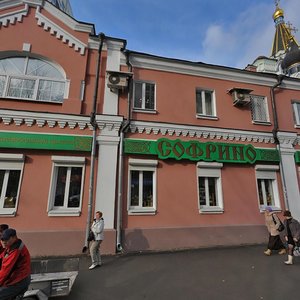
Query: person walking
[(273, 223), (2, 228), (291, 234), (98, 229), (15, 269)]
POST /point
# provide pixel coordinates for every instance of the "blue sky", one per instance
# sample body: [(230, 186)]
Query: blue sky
[(221, 32)]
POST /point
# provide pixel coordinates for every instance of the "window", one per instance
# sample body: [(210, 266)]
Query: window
[(259, 109), (31, 79), (210, 187), (267, 188), (205, 103), (66, 187), (296, 107), (11, 167), (144, 95), (142, 186)]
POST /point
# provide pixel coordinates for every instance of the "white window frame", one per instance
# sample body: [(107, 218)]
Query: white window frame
[(268, 172), (204, 109), (296, 113), (254, 121), (64, 161), (206, 169), (143, 108), (11, 162), (36, 79), (142, 165)]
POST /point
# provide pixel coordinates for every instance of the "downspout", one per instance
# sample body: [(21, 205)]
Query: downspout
[(275, 131), (123, 130), (94, 144)]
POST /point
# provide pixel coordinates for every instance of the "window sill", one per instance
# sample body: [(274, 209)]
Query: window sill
[(211, 210), (146, 111), (297, 126), (8, 212), (33, 100), (142, 212), (215, 118), (262, 209), (261, 123), (64, 213)]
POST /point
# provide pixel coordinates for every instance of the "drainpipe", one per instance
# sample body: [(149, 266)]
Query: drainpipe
[(123, 130), (275, 131), (94, 144)]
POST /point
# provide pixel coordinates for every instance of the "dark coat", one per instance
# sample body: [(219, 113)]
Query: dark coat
[(294, 227)]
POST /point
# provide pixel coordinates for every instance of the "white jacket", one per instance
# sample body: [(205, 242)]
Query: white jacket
[(98, 229)]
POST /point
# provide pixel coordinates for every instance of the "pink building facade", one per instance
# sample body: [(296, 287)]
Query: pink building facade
[(51, 94), (176, 154), (213, 161)]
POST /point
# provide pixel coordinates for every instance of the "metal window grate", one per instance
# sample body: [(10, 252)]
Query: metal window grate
[(259, 109)]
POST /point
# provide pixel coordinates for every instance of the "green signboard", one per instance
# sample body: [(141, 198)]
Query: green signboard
[(45, 141), (297, 157), (198, 151)]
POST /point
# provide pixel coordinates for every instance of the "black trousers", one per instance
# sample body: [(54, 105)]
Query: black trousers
[(8, 292), (275, 243)]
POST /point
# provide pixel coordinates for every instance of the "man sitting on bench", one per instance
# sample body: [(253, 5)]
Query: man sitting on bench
[(15, 266)]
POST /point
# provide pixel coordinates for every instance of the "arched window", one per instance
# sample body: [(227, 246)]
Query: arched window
[(31, 79)]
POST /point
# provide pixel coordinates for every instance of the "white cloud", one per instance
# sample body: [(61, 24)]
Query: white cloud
[(248, 36)]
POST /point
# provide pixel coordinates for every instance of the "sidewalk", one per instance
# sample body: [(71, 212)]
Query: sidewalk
[(238, 273)]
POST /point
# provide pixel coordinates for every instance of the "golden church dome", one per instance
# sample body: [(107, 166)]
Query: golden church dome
[(278, 13)]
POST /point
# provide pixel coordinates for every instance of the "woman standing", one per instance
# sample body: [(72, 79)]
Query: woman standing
[(272, 223), (291, 234), (98, 229)]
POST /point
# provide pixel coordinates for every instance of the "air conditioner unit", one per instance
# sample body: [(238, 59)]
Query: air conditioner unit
[(117, 80), (240, 96)]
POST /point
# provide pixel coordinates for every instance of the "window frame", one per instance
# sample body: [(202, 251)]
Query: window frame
[(143, 108), (206, 169), (261, 122), (142, 165), (37, 80), (11, 162), (204, 108), (295, 103), (268, 172), (69, 162)]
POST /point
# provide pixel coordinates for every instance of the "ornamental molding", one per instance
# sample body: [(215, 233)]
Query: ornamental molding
[(60, 15), (14, 16), (145, 61), (51, 120), (47, 24), (60, 33), (201, 132), (287, 140), (69, 21)]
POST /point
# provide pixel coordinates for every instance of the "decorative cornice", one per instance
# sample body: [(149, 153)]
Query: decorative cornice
[(59, 14), (14, 16), (5, 4), (30, 119), (66, 19), (150, 62), (60, 33), (201, 132), (287, 139)]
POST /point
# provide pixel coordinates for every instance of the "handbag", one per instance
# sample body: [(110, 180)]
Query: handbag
[(91, 236), (281, 226), (296, 251)]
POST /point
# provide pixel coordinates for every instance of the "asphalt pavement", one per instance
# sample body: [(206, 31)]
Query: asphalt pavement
[(235, 273)]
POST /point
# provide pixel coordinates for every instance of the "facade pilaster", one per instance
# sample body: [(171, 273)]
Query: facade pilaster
[(289, 171), (106, 178), (110, 105)]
